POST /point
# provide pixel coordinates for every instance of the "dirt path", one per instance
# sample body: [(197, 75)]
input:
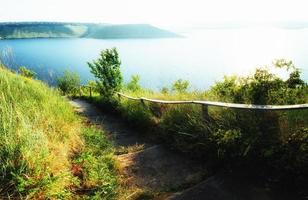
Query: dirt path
[(116, 129), (154, 168), (144, 164)]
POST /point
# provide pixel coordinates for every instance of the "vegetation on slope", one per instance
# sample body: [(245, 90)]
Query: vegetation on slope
[(95, 167), (45, 151), (272, 145), (77, 30)]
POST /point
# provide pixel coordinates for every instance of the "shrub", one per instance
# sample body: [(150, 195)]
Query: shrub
[(180, 86), (268, 140), (107, 70), (271, 143), (164, 90), (263, 88), (26, 72), (136, 114), (69, 83), (134, 85), (93, 85)]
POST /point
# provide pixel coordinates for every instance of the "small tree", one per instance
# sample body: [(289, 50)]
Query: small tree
[(164, 90), (69, 82), (107, 70), (134, 84), (92, 84), (26, 72), (180, 86)]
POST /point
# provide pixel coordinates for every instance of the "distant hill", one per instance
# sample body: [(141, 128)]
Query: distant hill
[(77, 30), (128, 31)]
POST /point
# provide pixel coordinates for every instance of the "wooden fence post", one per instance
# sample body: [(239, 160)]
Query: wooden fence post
[(205, 112), (80, 91), (142, 102), (90, 91)]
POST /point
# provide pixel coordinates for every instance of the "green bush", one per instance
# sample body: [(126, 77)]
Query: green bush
[(271, 143), (107, 70), (134, 85), (93, 85), (180, 86), (26, 72), (183, 126), (69, 83), (263, 87), (136, 113)]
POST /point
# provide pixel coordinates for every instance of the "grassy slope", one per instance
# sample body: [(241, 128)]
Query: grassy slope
[(40, 138), (274, 144)]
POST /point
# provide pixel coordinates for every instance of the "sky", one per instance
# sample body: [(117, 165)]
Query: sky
[(156, 12)]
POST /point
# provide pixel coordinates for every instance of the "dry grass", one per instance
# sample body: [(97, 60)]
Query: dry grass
[(39, 133)]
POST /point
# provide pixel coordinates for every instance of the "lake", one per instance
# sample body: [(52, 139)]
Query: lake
[(202, 57)]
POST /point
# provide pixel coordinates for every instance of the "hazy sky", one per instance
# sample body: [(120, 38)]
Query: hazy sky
[(156, 12)]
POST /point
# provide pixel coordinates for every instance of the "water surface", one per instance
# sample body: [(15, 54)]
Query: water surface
[(203, 57)]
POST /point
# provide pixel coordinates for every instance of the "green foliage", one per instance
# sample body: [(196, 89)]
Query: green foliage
[(38, 133), (26, 72), (137, 114), (295, 80), (164, 90), (95, 166), (180, 86), (69, 83), (107, 70), (134, 85), (263, 87), (39, 137), (284, 64), (272, 143), (184, 127), (93, 85)]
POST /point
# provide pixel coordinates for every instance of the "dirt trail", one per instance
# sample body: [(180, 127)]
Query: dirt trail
[(116, 129), (160, 170), (153, 167)]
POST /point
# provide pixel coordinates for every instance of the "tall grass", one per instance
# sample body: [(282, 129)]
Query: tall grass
[(95, 167), (38, 133), (45, 150), (272, 144)]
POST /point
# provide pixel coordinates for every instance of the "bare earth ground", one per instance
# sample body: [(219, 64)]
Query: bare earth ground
[(168, 174), (146, 165)]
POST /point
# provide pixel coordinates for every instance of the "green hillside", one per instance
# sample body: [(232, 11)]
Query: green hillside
[(77, 30), (128, 31), (41, 30), (43, 144)]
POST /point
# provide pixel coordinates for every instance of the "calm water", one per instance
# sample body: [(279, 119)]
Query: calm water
[(203, 57)]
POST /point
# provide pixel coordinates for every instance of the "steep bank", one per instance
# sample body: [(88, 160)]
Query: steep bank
[(46, 152), (38, 134)]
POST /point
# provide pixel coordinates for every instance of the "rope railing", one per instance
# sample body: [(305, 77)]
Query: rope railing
[(214, 103), (220, 104)]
